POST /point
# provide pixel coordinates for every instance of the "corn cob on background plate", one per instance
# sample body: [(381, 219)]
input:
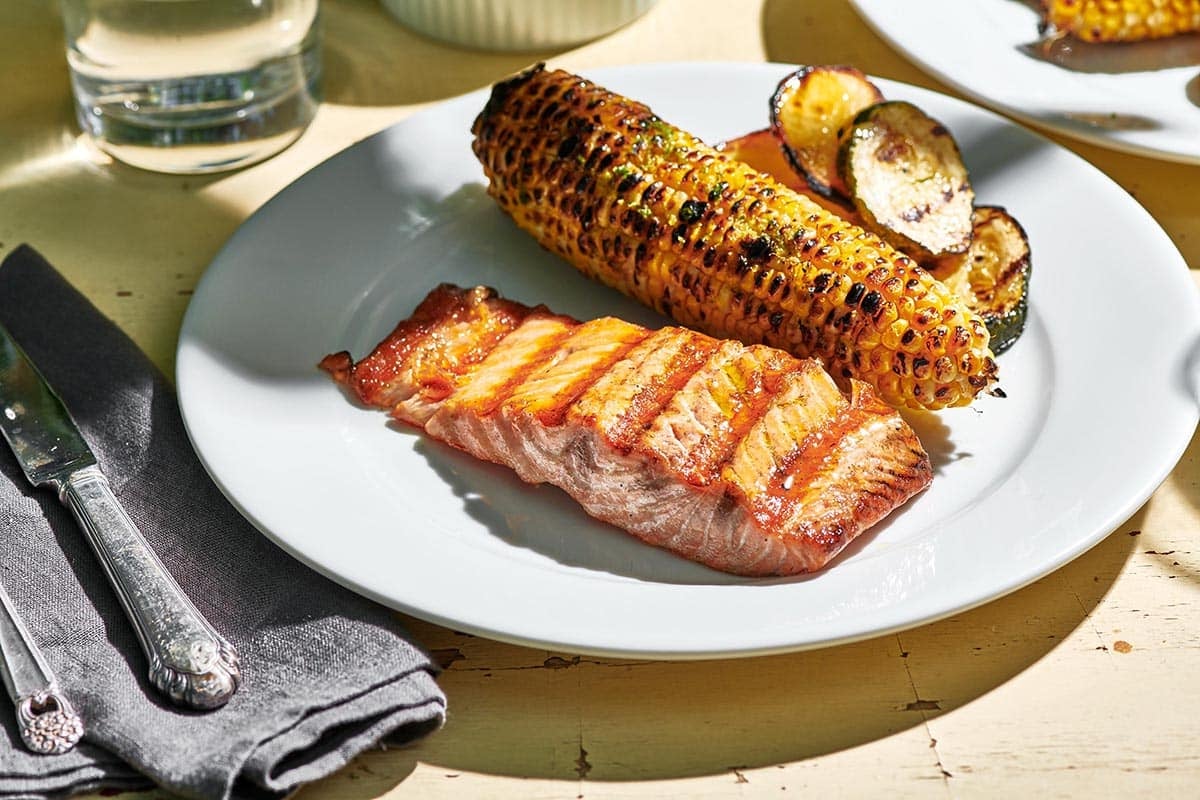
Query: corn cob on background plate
[(1100, 404), (1113, 97)]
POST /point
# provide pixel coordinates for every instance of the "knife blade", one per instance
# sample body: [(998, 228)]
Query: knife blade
[(189, 662)]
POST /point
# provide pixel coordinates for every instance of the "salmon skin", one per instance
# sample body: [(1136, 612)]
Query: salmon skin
[(741, 457)]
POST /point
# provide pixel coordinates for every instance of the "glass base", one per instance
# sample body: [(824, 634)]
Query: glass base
[(196, 159), (204, 123)]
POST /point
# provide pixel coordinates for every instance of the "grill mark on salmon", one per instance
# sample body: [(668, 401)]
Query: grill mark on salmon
[(743, 458), (423, 359), (589, 350), (623, 401), (698, 431)]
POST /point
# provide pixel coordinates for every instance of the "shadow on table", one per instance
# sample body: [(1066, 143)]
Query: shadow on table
[(816, 32), (1074, 55), (370, 59), (1185, 478), (528, 713), (53, 179)]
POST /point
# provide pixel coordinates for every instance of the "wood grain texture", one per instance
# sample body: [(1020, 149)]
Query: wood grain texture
[(1086, 683)]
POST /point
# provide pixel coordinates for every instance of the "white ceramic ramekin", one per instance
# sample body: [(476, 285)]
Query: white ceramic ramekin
[(516, 25)]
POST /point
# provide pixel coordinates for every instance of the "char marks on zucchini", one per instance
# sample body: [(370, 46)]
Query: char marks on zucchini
[(993, 274), (811, 111), (907, 179)]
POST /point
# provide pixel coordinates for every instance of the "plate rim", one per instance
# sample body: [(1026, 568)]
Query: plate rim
[(1149, 483), (867, 11)]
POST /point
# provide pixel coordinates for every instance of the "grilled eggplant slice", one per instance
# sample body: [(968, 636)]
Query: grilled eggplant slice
[(907, 179), (809, 112), (993, 275)]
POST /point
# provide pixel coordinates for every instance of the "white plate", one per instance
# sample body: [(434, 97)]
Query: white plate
[(979, 48), (1096, 415)]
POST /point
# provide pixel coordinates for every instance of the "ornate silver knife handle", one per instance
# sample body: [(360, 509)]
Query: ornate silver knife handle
[(189, 661), (47, 721)]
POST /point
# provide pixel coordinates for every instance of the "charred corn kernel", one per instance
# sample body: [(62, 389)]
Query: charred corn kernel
[(1123, 20), (650, 210)]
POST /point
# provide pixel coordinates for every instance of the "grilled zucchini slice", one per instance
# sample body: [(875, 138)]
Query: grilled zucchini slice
[(907, 179), (809, 111), (993, 275)]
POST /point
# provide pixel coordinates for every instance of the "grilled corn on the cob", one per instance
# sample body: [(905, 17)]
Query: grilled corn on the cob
[(650, 210), (1123, 20)]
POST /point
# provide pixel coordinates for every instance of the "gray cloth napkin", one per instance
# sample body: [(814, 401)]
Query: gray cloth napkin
[(325, 673)]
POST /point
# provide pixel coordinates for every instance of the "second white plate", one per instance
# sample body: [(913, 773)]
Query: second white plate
[(1098, 406), (1112, 97)]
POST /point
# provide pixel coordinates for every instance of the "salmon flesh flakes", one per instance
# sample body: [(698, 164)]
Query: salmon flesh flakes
[(741, 457)]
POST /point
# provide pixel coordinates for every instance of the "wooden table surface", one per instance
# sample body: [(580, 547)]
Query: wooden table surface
[(1084, 683)]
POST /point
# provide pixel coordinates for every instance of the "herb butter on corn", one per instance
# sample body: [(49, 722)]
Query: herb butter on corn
[(650, 210)]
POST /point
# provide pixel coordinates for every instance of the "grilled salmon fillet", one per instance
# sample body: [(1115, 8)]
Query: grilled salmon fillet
[(741, 457)]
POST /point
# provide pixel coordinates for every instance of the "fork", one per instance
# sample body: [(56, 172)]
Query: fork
[(48, 723)]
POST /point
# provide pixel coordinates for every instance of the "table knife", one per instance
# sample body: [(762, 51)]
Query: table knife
[(46, 719), (189, 662)]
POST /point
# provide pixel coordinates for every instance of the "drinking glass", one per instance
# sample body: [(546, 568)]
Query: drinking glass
[(193, 86)]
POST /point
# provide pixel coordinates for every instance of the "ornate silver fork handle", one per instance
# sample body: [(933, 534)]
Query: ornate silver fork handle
[(190, 662), (46, 719)]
